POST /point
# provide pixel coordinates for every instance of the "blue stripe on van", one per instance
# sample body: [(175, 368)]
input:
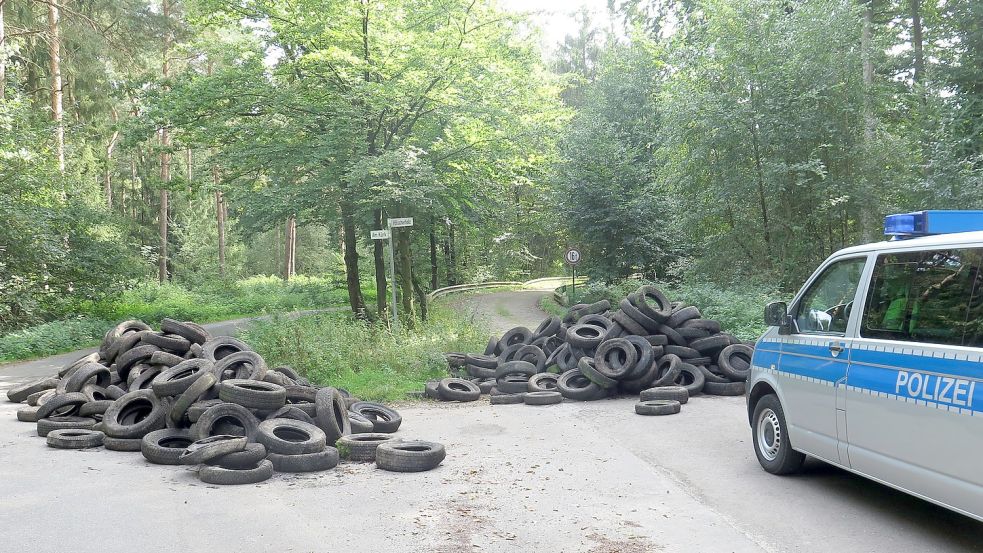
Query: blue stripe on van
[(949, 391), (765, 358), (911, 361)]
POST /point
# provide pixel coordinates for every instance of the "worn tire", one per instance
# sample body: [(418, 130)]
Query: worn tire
[(735, 362), (240, 460), (27, 414), (191, 332), (325, 459), (175, 380), (253, 394), (574, 385), (62, 405), (384, 419), (724, 388), (50, 424), (293, 413), (543, 382), (229, 477), (691, 378), (506, 399), (548, 327), (542, 398), (222, 346), (409, 456), (134, 415), (222, 412), (211, 447), (532, 354), (517, 335), (674, 393), (653, 303), (122, 444), (667, 371), (201, 386), (331, 414), (290, 437), (89, 371), (164, 447), (585, 336), (361, 447), (360, 424), (657, 407), (616, 358), (74, 438), (458, 389)]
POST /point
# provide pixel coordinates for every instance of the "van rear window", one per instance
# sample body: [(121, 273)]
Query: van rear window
[(931, 297)]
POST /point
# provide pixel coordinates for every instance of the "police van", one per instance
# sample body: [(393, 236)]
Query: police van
[(876, 366)]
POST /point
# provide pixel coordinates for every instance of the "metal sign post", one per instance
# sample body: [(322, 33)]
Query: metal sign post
[(387, 235), (572, 257)]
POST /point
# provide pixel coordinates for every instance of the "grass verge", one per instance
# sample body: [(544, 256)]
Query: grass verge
[(366, 359), (151, 302)]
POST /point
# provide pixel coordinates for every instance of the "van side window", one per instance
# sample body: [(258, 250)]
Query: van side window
[(826, 306), (931, 297)]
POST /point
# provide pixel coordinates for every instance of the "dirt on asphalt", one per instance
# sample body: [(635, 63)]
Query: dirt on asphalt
[(575, 477)]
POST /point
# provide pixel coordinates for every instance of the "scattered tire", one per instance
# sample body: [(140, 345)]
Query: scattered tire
[(458, 389), (290, 437), (735, 362), (325, 459), (587, 368), (228, 415), (542, 398), (384, 419), (409, 456), (506, 399), (175, 380), (210, 448), (690, 378), (724, 388), (164, 447), (122, 444), (134, 415), (674, 393), (253, 394), (543, 382), (657, 407), (74, 438), (360, 424), (361, 447), (226, 477), (574, 385), (240, 460), (331, 414)]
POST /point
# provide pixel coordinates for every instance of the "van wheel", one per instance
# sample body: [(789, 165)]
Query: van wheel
[(770, 436)]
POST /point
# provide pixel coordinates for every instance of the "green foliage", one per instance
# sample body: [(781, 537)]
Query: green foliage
[(51, 338), (370, 362)]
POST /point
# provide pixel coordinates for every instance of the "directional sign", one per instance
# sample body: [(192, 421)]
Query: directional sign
[(379, 234), (572, 257), (401, 222)]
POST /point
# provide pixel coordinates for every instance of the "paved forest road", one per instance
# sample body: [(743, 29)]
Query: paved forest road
[(576, 477)]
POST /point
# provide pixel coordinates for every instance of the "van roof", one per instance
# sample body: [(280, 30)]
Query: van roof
[(925, 242)]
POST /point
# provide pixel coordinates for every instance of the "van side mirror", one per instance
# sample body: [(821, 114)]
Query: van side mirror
[(776, 314)]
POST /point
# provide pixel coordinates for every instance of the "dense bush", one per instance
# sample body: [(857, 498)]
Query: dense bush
[(52, 337), (366, 359)]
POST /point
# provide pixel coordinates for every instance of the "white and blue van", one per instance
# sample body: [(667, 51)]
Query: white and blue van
[(876, 366)]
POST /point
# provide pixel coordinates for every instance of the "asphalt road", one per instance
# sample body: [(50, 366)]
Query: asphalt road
[(586, 477)]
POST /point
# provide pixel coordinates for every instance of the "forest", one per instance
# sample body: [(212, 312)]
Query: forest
[(241, 151)]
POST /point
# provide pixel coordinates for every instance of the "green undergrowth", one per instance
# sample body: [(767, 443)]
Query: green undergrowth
[(365, 358), (152, 302), (738, 308)]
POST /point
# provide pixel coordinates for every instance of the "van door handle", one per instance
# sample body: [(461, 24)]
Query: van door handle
[(835, 349)]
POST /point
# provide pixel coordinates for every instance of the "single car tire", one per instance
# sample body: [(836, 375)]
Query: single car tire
[(191, 332), (229, 477), (548, 327), (253, 394), (290, 437), (209, 421), (682, 315), (532, 354), (735, 362), (585, 336), (724, 388), (542, 398), (653, 303), (93, 408), (178, 378), (241, 460), (506, 399), (74, 438), (690, 378), (222, 346), (674, 393), (384, 419), (517, 335), (243, 365), (512, 384), (409, 456), (523, 368), (361, 447), (50, 424), (657, 407), (27, 414), (325, 459), (293, 413), (62, 405), (543, 382), (574, 385), (667, 371), (89, 371), (164, 447), (616, 358), (711, 345), (135, 415), (192, 394), (331, 414), (211, 447), (122, 444), (458, 389)]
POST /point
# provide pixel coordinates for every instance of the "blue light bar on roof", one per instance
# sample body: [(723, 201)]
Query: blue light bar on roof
[(925, 223)]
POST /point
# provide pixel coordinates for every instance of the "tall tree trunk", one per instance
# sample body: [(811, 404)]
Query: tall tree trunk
[(220, 220), (352, 277), (54, 65), (404, 262), (3, 57), (165, 155), (422, 298), (290, 249), (379, 258), (452, 259), (108, 176), (433, 254), (865, 217), (917, 40)]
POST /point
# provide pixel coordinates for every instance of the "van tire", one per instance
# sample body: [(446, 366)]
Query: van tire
[(781, 458)]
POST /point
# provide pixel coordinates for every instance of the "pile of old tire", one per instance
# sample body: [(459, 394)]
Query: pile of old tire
[(663, 351), (180, 396)]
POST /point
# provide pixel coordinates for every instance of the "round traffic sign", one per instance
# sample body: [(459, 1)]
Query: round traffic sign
[(572, 257)]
